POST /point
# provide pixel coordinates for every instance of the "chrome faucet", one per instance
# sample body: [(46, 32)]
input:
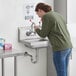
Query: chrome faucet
[(31, 31)]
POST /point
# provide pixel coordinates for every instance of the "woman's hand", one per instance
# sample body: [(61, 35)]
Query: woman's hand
[(36, 27)]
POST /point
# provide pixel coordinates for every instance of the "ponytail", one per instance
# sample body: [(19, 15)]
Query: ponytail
[(44, 7)]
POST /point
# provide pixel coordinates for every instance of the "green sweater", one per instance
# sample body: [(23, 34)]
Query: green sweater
[(55, 28)]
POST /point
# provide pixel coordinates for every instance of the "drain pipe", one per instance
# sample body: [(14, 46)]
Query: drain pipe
[(36, 56)]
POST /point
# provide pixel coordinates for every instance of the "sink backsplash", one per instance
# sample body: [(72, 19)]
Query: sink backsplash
[(22, 33)]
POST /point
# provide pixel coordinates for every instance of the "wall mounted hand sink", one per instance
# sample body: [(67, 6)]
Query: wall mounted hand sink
[(35, 43), (32, 41)]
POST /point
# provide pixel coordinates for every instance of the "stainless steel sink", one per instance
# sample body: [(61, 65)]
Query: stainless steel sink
[(35, 42), (32, 40)]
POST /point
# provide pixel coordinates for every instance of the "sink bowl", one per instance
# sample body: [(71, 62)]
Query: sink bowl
[(35, 42)]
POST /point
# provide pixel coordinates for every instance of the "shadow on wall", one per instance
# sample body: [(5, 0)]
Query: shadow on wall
[(72, 31)]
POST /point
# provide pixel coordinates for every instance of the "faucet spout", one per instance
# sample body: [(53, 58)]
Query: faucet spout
[(32, 26), (28, 33)]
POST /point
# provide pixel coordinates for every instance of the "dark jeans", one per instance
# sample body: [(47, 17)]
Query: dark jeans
[(61, 60)]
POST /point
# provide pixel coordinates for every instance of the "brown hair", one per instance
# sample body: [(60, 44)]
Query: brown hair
[(43, 6)]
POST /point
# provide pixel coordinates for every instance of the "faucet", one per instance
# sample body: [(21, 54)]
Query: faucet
[(28, 33)]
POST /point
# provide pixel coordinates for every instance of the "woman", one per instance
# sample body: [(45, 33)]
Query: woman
[(54, 27)]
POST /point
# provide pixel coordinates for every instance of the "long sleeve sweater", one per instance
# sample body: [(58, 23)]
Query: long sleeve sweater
[(54, 27)]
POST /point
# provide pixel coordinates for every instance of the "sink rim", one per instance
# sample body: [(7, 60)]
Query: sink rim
[(35, 40), (35, 43)]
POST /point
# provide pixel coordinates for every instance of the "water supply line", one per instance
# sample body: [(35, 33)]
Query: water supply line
[(36, 56)]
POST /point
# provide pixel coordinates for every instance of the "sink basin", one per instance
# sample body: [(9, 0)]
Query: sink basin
[(35, 42)]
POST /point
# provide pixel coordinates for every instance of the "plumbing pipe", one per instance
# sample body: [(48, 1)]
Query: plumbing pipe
[(36, 57)]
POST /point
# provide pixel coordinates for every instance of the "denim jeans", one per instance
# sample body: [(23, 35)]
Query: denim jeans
[(61, 60)]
